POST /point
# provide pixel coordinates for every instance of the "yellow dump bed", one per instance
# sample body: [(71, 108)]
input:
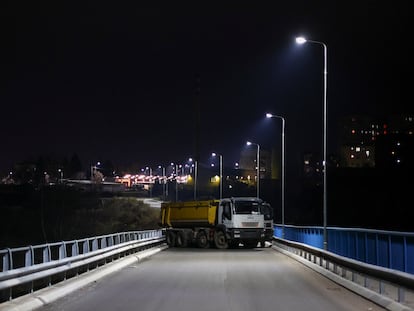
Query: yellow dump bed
[(189, 214)]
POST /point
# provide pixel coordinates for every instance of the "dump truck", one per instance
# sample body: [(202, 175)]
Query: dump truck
[(221, 223)]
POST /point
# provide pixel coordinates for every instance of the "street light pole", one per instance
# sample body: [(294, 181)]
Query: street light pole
[(176, 183), (61, 175), (257, 166), (195, 176), (93, 169), (163, 181), (269, 115), (301, 40), (195, 179), (221, 173)]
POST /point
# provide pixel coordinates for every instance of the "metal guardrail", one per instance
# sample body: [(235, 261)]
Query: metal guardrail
[(389, 249), (388, 283), (26, 269)]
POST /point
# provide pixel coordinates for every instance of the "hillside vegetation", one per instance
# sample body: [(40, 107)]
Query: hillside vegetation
[(34, 216)]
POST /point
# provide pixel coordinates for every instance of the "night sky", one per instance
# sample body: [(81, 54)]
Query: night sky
[(118, 82)]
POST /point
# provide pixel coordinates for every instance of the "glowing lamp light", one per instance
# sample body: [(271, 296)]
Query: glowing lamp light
[(300, 40)]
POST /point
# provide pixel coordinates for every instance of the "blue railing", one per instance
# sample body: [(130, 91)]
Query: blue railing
[(390, 249)]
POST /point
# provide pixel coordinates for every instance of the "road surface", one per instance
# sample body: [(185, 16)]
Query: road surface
[(214, 280)]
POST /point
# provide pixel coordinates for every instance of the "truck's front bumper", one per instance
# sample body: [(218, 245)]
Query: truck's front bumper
[(247, 234)]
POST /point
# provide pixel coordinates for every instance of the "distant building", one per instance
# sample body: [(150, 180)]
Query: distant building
[(366, 142), (357, 141), (248, 160)]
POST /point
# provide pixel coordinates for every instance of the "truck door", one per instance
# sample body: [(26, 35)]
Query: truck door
[(226, 215)]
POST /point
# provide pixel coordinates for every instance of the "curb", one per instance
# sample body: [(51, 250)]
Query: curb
[(375, 297), (50, 294)]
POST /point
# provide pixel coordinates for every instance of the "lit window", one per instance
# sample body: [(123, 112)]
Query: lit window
[(306, 162), (358, 149), (352, 156), (367, 153), (398, 161)]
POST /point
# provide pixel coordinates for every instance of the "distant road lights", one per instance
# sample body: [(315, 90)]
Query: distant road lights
[(249, 143), (302, 40), (270, 115), (221, 172)]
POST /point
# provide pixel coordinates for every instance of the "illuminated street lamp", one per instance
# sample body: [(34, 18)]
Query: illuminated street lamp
[(174, 176), (269, 115), (257, 166), (195, 177), (302, 40), (163, 180), (221, 172), (93, 169), (149, 169), (60, 174), (178, 167)]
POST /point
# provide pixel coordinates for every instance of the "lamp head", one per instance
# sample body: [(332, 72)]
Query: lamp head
[(269, 115), (300, 40), (248, 143)]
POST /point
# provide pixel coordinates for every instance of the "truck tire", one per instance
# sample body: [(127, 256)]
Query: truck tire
[(181, 240), (202, 240), (170, 238), (220, 240)]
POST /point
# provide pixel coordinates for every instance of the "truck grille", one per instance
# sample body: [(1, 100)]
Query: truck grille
[(250, 224)]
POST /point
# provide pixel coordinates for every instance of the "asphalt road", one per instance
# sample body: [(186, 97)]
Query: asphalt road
[(231, 280)]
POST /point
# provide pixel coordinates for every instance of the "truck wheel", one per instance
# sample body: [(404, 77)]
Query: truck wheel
[(220, 240), (181, 239), (202, 241), (170, 239)]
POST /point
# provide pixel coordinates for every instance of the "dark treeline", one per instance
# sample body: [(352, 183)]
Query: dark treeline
[(31, 215)]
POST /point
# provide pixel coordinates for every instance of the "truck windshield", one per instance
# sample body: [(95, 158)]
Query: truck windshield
[(246, 207)]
